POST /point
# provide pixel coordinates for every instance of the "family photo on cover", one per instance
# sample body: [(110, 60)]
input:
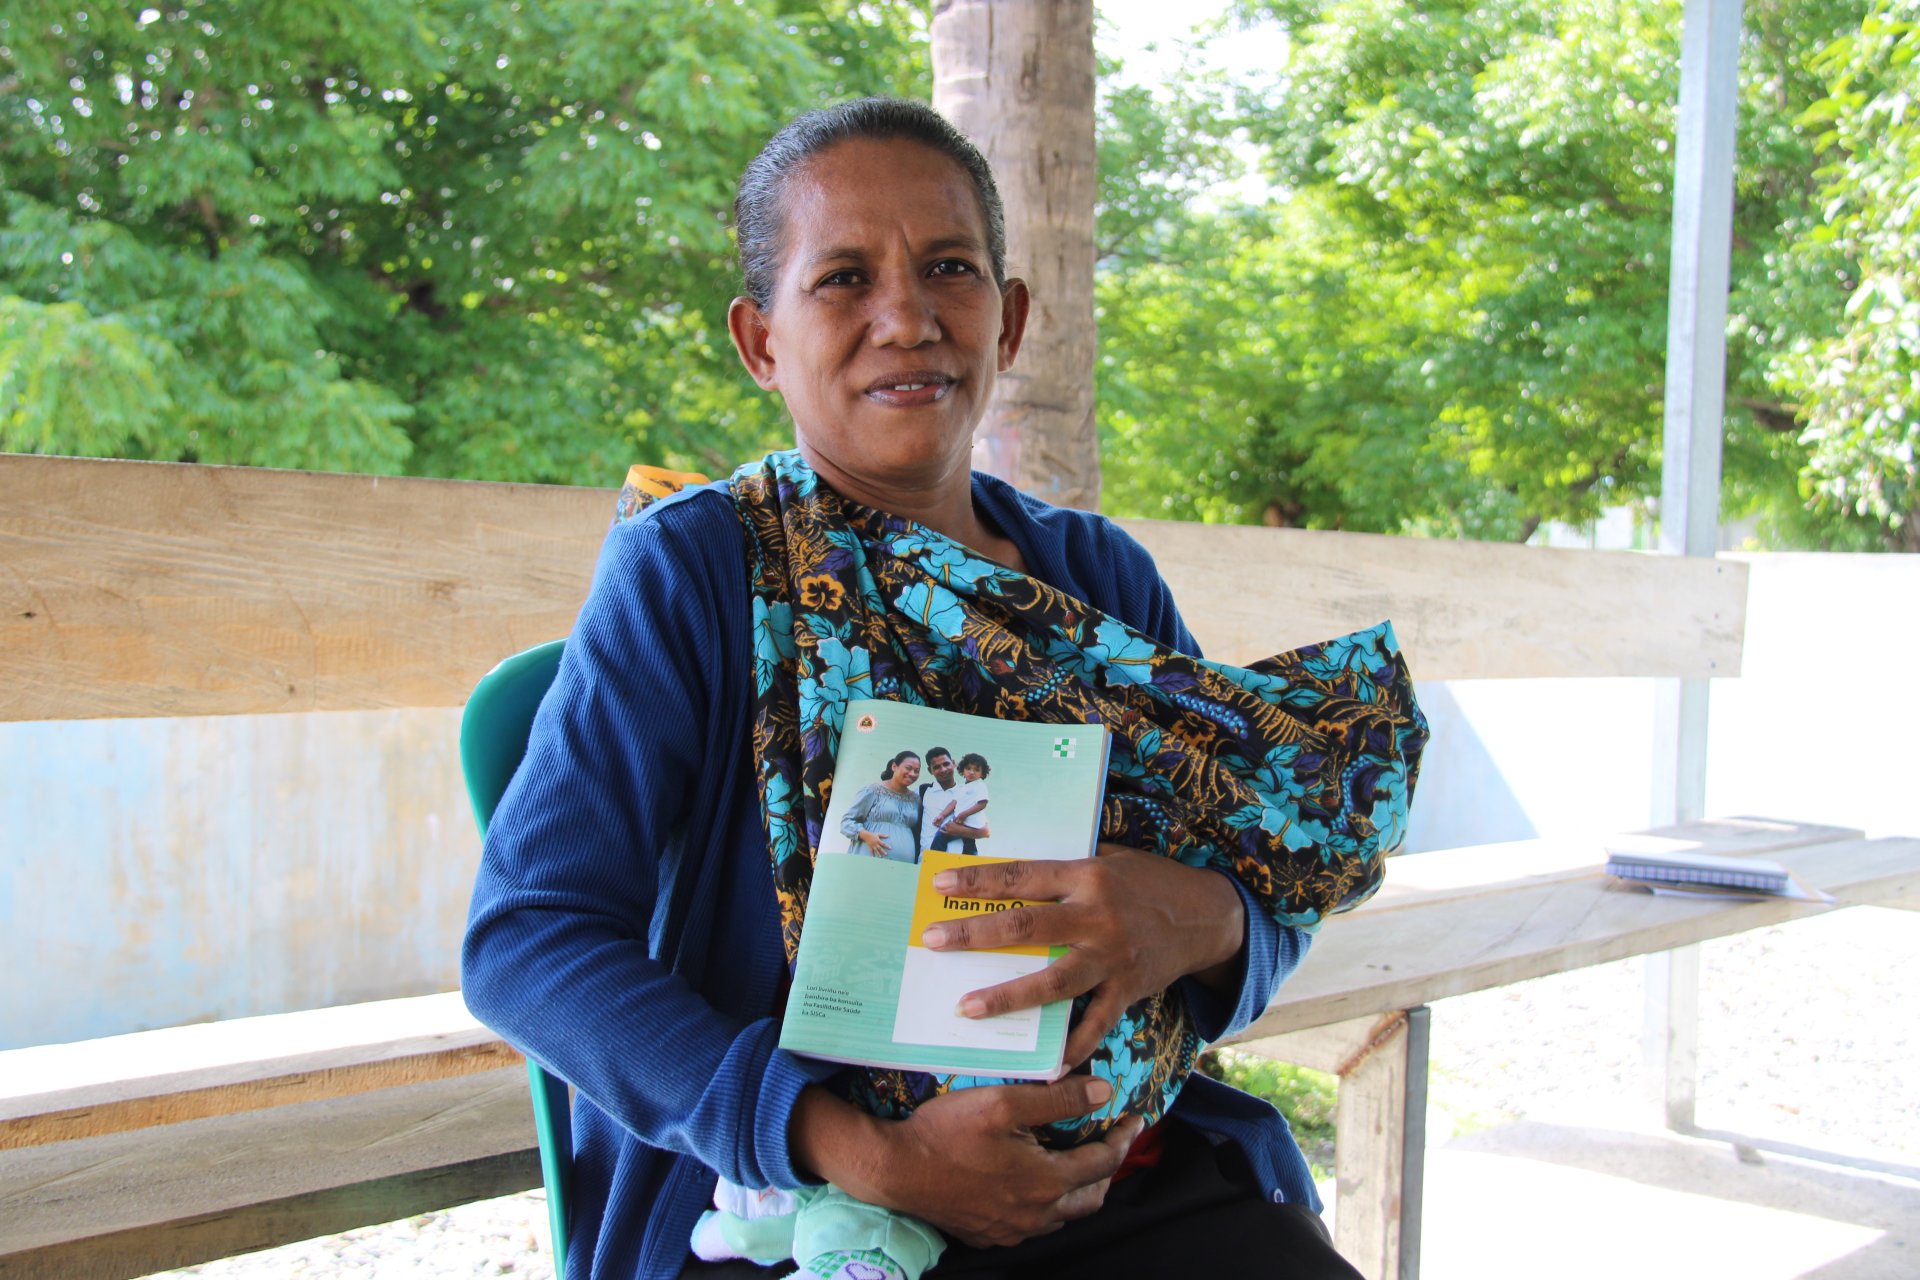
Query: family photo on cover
[(900, 816)]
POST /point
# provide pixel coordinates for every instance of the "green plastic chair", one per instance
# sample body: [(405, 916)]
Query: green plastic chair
[(493, 737)]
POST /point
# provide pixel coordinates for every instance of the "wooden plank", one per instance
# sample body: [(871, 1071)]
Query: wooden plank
[(141, 1251), (145, 589), (1381, 959), (61, 1093), (132, 1203), (1461, 609), (1421, 878), (1330, 1049), (153, 589)]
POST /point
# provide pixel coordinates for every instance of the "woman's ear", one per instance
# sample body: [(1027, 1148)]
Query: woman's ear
[(1014, 302), (748, 327)]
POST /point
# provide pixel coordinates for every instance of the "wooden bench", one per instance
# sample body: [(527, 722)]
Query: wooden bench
[(1471, 919), (152, 589)]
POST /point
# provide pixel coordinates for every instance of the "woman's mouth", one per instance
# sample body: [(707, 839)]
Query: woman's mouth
[(911, 389)]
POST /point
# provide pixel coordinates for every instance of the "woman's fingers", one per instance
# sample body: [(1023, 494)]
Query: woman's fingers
[(1030, 1106), (1093, 1167), (1083, 1201), (970, 1164), (1064, 979), (1043, 881), (1101, 1016), (1042, 925), (1132, 924)]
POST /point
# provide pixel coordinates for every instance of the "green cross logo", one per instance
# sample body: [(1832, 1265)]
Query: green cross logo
[(1063, 748)]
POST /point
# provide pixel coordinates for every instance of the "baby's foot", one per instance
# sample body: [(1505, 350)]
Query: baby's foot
[(857, 1264)]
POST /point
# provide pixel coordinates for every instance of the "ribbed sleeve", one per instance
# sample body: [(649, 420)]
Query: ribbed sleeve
[(573, 949)]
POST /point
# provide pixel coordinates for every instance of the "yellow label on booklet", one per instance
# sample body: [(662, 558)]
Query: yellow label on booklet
[(930, 906)]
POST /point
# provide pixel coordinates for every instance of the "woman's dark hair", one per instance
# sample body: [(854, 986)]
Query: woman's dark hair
[(759, 207), (974, 758), (886, 774)]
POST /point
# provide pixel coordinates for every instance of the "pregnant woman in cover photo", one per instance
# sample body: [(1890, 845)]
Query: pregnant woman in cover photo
[(884, 819)]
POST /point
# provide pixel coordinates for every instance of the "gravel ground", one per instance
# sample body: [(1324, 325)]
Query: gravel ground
[(1807, 1037)]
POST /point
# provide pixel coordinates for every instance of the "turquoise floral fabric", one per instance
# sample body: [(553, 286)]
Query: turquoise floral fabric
[(1293, 775)]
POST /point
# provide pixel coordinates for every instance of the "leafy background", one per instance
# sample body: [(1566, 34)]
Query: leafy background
[(1412, 280)]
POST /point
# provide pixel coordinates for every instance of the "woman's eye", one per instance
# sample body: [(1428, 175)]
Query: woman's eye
[(952, 267), (844, 276)]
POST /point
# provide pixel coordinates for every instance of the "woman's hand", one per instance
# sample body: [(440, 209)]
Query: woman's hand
[(875, 842), (1134, 924), (967, 1161)]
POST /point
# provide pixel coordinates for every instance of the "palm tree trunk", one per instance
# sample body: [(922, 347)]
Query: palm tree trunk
[(1017, 77)]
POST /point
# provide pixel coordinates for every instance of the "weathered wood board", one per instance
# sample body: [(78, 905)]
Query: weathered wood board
[(1396, 954), (67, 1092), (129, 1204), (1504, 868), (1462, 610), (161, 589)]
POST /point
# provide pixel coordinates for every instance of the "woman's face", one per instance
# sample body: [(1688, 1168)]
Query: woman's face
[(886, 330), (906, 773)]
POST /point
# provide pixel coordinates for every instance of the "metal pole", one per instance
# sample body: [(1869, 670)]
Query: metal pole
[(1690, 479)]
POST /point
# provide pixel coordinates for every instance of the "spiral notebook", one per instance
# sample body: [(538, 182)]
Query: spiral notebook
[(1753, 875)]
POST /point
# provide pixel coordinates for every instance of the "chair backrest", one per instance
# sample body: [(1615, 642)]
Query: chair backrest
[(493, 738)]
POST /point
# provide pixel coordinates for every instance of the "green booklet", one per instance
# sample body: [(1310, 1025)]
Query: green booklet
[(864, 990)]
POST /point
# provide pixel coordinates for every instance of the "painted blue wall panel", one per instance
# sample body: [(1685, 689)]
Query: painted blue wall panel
[(157, 872)]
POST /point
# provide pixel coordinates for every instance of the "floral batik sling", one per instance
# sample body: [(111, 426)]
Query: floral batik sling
[(1292, 775)]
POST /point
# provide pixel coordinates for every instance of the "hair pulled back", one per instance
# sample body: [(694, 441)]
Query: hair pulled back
[(886, 774), (759, 206)]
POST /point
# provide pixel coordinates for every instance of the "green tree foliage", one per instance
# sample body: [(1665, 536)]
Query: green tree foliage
[(453, 237), (1307, 1098), (1859, 384), (487, 238), (1451, 318)]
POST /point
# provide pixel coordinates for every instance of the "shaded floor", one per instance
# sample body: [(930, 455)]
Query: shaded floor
[(1532, 1199), (1543, 1161)]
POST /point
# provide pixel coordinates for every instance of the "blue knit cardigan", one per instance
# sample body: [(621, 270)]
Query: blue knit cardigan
[(623, 928)]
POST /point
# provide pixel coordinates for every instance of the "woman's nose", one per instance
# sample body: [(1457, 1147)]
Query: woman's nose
[(903, 314)]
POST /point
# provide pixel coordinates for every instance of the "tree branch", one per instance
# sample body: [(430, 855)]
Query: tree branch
[(1772, 415), (209, 220), (1595, 474)]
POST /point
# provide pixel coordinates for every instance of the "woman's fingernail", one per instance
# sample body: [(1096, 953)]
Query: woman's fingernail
[(1098, 1091), (933, 936), (947, 880), (973, 1007)]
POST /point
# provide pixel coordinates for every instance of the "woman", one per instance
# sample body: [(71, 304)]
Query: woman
[(622, 930), (884, 818)]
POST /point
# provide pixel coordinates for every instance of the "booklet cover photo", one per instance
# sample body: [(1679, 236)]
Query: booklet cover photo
[(915, 791)]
